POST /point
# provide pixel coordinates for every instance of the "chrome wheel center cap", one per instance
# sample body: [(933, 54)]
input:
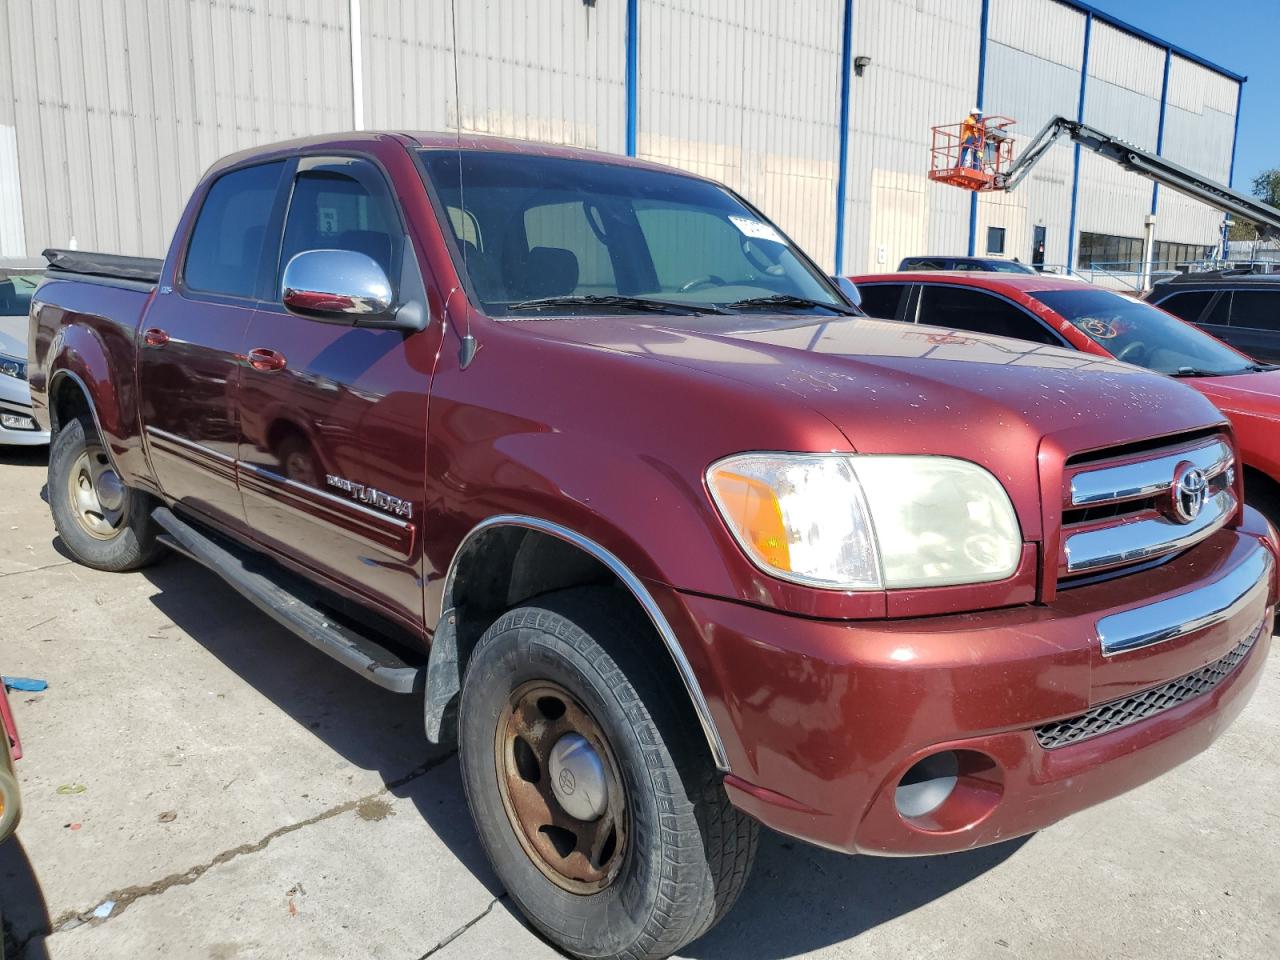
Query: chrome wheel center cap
[(577, 778), (110, 490)]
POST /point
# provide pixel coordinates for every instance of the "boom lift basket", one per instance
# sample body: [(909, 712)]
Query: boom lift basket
[(977, 161)]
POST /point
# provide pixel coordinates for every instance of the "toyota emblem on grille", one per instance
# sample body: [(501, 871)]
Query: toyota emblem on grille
[(1189, 489)]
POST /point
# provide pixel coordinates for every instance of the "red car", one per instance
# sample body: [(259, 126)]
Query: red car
[(673, 540), (10, 750), (1062, 312)]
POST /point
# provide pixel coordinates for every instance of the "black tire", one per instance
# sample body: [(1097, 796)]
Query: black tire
[(689, 851), (130, 546)]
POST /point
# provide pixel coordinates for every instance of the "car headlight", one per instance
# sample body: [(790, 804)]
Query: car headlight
[(868, 522), (13, 367)]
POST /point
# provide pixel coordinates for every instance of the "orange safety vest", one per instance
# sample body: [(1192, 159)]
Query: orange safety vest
[(970, 128)]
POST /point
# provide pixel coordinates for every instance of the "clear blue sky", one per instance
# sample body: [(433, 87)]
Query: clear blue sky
[(1240, 35)]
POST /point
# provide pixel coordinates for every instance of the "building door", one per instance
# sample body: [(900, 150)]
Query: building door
[(1037, 248)]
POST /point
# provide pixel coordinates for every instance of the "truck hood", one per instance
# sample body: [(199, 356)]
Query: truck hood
[(894, 387)]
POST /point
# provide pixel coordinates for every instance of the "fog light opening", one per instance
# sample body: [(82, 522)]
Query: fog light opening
[(928, 784)]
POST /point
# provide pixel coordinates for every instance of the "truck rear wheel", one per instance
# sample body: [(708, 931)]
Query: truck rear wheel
[(590, 785), (104, 524)]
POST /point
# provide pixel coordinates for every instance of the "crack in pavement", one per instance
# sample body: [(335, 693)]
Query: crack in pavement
[(47, 566), (465, 927), (127, 896)]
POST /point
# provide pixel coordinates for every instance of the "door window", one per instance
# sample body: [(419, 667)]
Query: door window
[(882, 299), (343, 206), (225, 252), (976, 310), (1187, 306), (1259, 309)]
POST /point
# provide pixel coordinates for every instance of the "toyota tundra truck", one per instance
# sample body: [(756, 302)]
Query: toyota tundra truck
[(669, 537)]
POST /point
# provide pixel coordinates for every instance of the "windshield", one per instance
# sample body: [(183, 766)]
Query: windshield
[(535, 229), (1138, 333), (1007, 266)]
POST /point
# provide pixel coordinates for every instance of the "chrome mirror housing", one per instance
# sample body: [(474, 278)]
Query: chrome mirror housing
[(339, 285)]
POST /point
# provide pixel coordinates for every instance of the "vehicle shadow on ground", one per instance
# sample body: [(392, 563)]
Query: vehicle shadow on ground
[(24, 456), (800, 897), (23, 911)]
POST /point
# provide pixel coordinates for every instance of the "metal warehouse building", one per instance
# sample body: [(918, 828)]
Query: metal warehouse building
[(817, 110)]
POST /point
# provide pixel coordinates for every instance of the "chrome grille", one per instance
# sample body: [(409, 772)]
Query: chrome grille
[(1121, 511), (1140, 706)]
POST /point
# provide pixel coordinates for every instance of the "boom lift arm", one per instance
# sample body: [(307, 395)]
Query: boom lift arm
[(1146, 164)]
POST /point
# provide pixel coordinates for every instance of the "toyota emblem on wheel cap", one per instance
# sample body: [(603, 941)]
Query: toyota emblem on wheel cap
[(1189, 489)]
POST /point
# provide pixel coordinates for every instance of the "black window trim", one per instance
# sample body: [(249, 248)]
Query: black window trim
[(915, 312), (274, 225)]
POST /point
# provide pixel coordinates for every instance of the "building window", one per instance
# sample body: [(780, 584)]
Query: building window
[(995, 239), (1169, 256), (1105, 250)]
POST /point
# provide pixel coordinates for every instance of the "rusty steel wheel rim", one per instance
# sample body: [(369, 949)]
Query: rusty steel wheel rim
[(561, 788)]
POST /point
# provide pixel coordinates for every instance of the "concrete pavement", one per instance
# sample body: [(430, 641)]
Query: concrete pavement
[(231, 793)]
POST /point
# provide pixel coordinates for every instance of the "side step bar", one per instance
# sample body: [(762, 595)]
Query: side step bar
[(285, 599)]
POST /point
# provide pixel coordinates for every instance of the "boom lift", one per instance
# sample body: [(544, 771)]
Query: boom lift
[(995, 168)]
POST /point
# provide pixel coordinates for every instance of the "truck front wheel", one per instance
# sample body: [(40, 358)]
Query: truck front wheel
[(104, 524), (589, 782)]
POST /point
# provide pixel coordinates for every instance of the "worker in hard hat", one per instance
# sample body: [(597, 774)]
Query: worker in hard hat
[(971, 140)]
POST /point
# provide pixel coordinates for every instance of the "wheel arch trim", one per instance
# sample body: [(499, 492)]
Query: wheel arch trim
[(55, 381), (634, 585)]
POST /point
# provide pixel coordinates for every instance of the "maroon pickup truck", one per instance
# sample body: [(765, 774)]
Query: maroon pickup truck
[(671, 538)]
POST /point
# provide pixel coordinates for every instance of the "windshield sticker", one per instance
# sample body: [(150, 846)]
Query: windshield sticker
[(754, 228), (1098, 328)]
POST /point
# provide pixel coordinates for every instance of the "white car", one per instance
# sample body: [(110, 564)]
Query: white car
[(17, 426)]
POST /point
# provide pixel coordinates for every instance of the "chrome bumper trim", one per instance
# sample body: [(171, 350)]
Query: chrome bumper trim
[(1147, 478), (1143, 539), (1207, 606)]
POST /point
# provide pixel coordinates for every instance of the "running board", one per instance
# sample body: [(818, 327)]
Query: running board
[(284, 597)]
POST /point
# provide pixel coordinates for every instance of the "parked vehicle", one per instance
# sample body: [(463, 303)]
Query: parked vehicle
[(1241, 308), (1060, 312), (980, 264), (674, 540), (10, 751), (17, 425)]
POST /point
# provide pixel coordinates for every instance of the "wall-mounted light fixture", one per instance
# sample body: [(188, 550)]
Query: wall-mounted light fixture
[(860, 64)]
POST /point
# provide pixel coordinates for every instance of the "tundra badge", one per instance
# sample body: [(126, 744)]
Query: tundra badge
[(371, 496)]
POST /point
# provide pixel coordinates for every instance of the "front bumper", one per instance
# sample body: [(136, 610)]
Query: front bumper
[(822, 720), (15, 402)]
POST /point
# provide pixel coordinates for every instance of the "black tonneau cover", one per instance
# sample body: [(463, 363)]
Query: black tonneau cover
[(111, 265)]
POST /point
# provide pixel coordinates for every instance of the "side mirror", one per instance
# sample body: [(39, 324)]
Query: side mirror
[(849, 289), (336, 285)]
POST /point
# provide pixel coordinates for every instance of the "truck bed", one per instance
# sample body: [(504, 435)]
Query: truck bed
[(108, 265)]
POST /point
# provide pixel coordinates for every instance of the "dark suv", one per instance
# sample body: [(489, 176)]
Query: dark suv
[(1241, 308)]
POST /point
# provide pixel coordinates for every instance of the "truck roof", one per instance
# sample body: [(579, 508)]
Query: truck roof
[(1025, 282), (355, 140)]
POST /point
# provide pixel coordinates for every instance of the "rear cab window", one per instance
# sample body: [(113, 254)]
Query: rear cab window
[(224, 254), (882, 300)]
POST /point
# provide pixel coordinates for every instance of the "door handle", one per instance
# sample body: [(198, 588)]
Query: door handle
[(155, 337), (260, 358)]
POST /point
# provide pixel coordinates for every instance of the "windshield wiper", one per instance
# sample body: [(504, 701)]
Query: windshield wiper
[(1196, 372), (645, 304), (1262, 367), (788, 300)]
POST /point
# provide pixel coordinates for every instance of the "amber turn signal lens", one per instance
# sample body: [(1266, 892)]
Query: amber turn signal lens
[(753, 510)]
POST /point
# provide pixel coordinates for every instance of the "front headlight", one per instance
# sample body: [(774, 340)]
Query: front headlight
[(868, 522), (13, 367)]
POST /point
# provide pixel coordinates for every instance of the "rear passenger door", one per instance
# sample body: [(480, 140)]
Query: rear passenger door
[(968, 308), (1255, 323), (341, 418), (193, 337)]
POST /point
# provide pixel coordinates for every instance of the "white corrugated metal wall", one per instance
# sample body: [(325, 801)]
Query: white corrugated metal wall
[(114, 107)]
